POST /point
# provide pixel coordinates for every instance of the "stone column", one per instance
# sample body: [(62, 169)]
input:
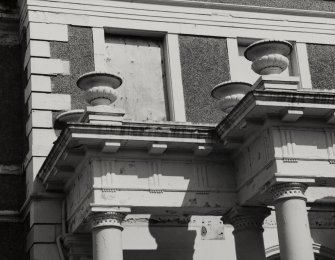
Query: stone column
[(107, 235), (248, 231), (294, 234)]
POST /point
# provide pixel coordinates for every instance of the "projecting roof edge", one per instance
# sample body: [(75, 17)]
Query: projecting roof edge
[(128, 128), (286, 99), (57, 150)]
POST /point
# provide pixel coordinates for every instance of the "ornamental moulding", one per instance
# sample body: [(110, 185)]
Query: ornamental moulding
[(288, 190)]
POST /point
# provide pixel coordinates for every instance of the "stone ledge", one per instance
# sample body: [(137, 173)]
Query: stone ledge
[(42, 31), (54, 102), (42, 66)]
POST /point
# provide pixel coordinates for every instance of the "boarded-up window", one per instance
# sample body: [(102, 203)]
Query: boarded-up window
[(139, 61)]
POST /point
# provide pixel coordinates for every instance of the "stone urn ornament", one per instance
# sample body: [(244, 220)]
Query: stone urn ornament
[(229, 93), (269, 56), (100, 93), (99, 87)]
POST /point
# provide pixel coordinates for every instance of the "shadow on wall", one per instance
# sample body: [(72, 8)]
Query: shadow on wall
[(323, 221), (174, 240)]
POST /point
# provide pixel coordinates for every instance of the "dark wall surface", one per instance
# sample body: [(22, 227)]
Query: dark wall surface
[(11, 191), (11, 106), (322, 65), (204, 63), (12, 241), (8, 4), (319, 5), (79, 51)]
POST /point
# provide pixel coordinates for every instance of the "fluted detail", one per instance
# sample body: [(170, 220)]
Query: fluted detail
[(99, 87), (270, 64), (100, 96), (269, 56), (229, 93)]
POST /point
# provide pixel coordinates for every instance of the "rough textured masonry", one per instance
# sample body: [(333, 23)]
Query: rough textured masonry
[(204, 63), (79, 51), (319, 5), (322, 64)]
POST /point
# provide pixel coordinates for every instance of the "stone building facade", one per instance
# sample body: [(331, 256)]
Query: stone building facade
[(136, 160)]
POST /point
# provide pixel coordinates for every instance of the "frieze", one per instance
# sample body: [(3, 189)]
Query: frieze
[(330, 141), (287, 144), (157, 220), (291, 145), (254, 158), (290, 160), (157, 176), (81, 213), (82, 185)]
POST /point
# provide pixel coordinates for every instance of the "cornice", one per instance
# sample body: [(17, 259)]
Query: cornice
[(237, 7), (282, 99), (57, 150), (185, 17), (186, 131)]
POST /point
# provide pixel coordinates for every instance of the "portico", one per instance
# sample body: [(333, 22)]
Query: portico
[(109, 167)]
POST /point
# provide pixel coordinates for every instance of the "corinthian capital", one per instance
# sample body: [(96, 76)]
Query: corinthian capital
[(106, 219), (288, 191), (246, 218)]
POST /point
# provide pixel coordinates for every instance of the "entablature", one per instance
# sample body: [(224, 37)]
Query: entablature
[(285, 135), (146, 167)]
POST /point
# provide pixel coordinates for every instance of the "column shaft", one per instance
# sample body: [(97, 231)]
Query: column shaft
[(293, 230), (107, 244), (249, 244), (107, 235), (294, 234)]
